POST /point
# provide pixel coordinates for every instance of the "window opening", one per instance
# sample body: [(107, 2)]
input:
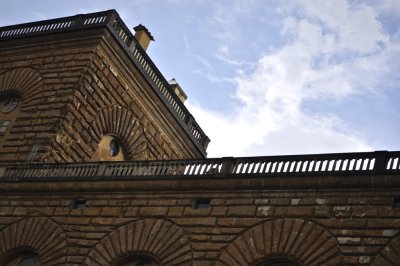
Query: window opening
[(28, 260), (9, 105), (278, 261), (144, 262), (114, 147), (138, 260), (79, 204), (109, 148), (25, 258), (8, 114), (201, 204)]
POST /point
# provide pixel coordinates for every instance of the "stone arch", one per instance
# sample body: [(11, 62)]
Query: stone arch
[(297, 239), (390, 254), (121, 122), (26, 82), (41, 235), (159, 238)]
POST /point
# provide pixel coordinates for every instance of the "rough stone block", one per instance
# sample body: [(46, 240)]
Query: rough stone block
[(111, 211), (219, 211), (280, 201), (153, 211), (242, 211)]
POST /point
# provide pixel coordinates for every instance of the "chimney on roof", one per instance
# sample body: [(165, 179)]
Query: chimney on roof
[(178, 90), (143, 36)]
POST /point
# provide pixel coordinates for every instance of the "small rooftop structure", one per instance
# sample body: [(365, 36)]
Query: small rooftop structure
[(178, 90), (143, 36)]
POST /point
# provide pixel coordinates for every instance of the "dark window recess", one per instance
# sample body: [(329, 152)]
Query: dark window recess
[(140, 260), (27, 261), (396, 203), (114, 148), (79, 204), (278, 261), (144, 262), (201, 203), (9, 105)]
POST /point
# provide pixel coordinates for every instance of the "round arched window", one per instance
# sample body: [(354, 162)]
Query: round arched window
[(110, 148), (114, 147)]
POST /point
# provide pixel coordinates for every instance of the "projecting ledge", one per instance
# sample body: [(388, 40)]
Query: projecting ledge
[(199, 183)]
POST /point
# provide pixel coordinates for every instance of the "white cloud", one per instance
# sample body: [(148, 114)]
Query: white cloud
[(356, 28), (333, 50)]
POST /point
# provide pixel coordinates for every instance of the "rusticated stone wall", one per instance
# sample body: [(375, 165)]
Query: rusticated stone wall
[(44, 80), (107, 103), (324, 227), (77, 87)]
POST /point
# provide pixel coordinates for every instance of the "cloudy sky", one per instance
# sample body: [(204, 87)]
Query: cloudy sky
[(269, 77)]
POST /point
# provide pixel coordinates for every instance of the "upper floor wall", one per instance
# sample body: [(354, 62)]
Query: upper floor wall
[(93, 94)]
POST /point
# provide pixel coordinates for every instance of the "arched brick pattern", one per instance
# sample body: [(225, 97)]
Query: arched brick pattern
[(304, 241), (42, 235), (27, 82), (159, 238), (121, 122), (390, 254)]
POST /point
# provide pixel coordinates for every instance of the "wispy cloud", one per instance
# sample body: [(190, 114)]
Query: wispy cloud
[(332, 53), (233, 62)]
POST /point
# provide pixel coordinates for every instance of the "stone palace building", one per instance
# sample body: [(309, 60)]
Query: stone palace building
[(101, 163)]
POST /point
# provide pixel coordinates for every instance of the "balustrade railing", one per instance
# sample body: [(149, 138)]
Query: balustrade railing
[(114, 23), (54, 25), (159, 82), (380, 162)]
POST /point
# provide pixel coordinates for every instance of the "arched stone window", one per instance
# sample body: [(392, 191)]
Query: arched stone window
[(283, 242), (33, 240), (110, 148), (143, 242), (138, 260)]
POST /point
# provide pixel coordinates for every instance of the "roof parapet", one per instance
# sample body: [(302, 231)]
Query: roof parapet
[(342, 164)]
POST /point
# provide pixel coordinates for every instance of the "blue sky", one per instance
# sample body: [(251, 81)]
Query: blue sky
[(269, 77)]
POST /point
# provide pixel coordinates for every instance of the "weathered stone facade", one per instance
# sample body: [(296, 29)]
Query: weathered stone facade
[(242, 226), (89, 79), (76, 87)]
